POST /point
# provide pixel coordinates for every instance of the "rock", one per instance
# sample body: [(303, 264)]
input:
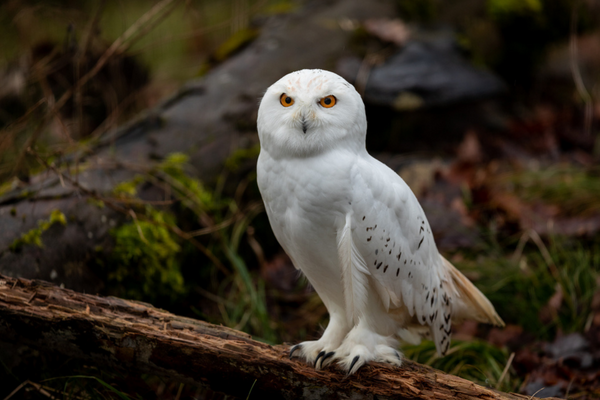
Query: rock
[(426, 72)]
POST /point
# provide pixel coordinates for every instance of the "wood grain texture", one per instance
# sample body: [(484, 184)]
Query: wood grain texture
[(116, 333)]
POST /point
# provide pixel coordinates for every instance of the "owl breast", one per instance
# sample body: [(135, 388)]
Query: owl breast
[(306, 203)]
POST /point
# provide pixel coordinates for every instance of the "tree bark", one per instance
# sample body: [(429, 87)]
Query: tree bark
[(116, 333)]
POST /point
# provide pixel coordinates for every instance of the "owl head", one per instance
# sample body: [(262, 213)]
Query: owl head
[(309, 112)]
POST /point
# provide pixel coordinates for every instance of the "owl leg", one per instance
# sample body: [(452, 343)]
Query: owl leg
[(362, 345), (316, 351)]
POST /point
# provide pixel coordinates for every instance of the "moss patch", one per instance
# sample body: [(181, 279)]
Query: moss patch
[(34, 236), (145, 257)]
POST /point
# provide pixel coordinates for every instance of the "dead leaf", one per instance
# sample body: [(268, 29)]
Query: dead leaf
[(503, 337), (450, 222)]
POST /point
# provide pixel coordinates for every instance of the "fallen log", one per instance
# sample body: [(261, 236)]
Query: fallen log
[(125, 334)]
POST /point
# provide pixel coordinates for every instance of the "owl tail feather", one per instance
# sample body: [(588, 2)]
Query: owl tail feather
[(472, 304)]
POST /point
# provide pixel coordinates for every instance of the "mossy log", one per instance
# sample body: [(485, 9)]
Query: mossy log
[(125, 334)]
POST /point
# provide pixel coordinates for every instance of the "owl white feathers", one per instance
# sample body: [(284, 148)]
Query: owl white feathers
[(354, 228)]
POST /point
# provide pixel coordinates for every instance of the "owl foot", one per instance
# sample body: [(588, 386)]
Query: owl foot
[(361, 346), (323, 357), (319, 352), (313, 352)]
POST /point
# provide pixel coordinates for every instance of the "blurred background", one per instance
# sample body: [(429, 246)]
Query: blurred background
[(127, 167)]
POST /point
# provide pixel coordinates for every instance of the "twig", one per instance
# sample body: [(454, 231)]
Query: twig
[(542, 247), (569, 388), (11, 394), (80, 57), (137, 224), (151, 25), (211, 296), (505, 371), (255, 246), (533, 235), (50, 100), (212, 229), (30, 141), (240, 325), (136, 201), (539, 390), (201, 247), (41, 390), (520, 247), (576, 73), (22, 120), (112, 117)]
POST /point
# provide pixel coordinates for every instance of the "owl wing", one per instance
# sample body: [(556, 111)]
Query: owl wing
[(386, 236), (391, 241)]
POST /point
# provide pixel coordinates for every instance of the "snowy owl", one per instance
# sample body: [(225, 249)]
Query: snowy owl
[(354, 228)]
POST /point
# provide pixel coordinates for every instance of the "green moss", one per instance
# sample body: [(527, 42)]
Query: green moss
[(190, 190), (34, 236), (98, 203), (5, 187), (128, 188), (144, 261), (506, 8), (175, 160), (25, 194)]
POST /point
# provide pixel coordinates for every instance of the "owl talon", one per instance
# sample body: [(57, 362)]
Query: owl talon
[(325, 357), (296, 347), (321, 354), (352, 365)]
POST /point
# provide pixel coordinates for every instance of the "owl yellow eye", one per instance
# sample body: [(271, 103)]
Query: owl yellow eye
[(328, 101), (286, 100)]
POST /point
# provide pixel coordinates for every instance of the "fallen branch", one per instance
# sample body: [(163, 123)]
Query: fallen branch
[(116, 333)]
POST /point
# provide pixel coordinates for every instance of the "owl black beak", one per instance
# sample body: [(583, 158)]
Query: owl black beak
[(304, 125)]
